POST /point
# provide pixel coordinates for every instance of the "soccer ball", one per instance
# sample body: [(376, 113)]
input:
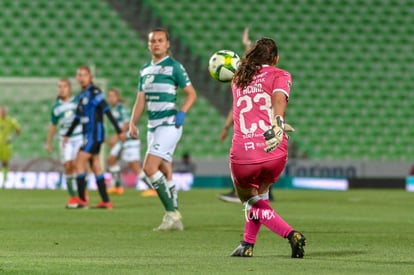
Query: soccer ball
[(223, 64)]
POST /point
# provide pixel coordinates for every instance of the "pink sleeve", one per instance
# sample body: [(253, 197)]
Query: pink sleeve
[(282, 83)]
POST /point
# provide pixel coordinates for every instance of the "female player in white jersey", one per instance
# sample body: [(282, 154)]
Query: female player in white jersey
[(157, 89), (62, 115), (259, 147)]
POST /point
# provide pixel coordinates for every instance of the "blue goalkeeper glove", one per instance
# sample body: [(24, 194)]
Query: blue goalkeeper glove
[(274, 135), (179, 119)]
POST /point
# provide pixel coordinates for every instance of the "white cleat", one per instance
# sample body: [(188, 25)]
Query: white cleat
[(171, 221)]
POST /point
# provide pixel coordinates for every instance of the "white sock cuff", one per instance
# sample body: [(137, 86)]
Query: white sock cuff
[(253, 200), (142, 175), (170, 183), (114, 168), (264, 196), (156, 176)]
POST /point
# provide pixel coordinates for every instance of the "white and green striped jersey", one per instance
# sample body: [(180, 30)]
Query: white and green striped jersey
[(160, 82), (62, 115), (121, 115)]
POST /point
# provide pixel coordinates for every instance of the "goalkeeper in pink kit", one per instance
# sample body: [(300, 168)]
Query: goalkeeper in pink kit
[(259, 148)]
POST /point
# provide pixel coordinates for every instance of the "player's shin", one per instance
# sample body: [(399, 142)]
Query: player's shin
[(142, 176), (252, 226), (260, 210), (81, 183), (160, 185), (251, 230), (115, 171), (69, 185), (174, 193), (100, 182)]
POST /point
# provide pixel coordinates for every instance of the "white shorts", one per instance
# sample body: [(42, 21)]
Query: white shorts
[(69, 151), (163, 140), (128, 151)]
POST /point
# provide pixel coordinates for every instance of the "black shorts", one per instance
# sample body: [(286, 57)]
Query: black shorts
[(92, 147)]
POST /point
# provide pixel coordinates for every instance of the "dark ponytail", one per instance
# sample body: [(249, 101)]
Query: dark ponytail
[(263, 52)]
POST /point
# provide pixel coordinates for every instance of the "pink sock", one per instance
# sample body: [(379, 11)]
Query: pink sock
[(262, 213), (251, 229)]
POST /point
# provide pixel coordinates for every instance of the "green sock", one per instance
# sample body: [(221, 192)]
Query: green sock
[(174, 193), (69, 185), (116, 174), (160, 185), (5, 171), (117, 177)]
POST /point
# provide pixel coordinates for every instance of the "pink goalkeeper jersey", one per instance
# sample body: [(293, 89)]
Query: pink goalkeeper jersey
[(252, 113)]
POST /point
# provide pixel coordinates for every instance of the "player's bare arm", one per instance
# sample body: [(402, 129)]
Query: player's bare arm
[(137, 111), (120, 133), (125, 127), (15, 135), (227, 125), (72, 127), (191, 97), (50, 134), (122, 136), (189, 101), (246, 40), (274, 135), (279, 102)]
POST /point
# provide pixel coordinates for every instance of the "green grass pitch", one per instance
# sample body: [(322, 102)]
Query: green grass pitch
[(353, 232)]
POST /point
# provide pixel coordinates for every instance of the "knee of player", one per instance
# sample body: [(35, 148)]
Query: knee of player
[(246, 193), (112, 160), (150, 170), (80, 166), (69, 168)]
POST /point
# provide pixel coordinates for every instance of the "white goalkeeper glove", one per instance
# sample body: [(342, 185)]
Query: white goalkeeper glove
[(274, 135)]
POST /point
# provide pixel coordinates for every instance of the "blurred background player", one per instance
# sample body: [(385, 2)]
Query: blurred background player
[(128, 151), (185, 165), (232, 196), (157, 88), (9, 130), (259, 147), (90, 110), (62, 115)]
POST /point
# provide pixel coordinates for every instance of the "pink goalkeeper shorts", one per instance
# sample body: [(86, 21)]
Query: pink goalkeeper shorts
[(253, 175)]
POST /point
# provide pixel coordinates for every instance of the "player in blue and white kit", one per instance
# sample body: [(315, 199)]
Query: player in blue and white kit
[(90, 110), (62, 115)]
